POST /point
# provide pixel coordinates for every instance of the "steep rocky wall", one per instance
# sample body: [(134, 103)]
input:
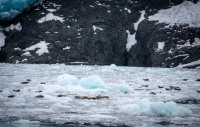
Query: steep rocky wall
[(95, 32)]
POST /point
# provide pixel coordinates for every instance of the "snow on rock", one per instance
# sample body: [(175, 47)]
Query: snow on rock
[(14, 27), (161, 109), (67, 48), (50, 17), (96, 28), (2, 39), (140, 20), (51, 10), (128, 10), (188, 44), (67, 79), (185, 13), (41, 48), (195, 63), (161, 45), (131, 40), (92, 82), (26, 54)]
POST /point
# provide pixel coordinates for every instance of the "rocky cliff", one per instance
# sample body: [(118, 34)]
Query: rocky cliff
[(123, 32)]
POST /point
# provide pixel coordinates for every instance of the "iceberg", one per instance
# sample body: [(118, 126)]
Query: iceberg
[(11, 8)]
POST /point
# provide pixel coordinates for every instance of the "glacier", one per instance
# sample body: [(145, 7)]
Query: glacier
[(11, 8)]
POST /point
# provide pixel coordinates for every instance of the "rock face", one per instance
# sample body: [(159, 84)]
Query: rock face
[(95, 32)]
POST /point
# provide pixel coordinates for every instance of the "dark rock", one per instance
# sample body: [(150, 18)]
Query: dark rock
[(11, 96), (26, 82), (165, 123), (1, 91), (61, 95), (39, 96), (188, 101), (198, 80), (175, 88), (160, 86), (145, 85), (18, 90), (167, 89), (185, 79), (39, 91), (153, 93), (146, 79), (93, 98)]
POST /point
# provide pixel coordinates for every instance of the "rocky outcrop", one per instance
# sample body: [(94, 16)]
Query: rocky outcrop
[(95, 32)]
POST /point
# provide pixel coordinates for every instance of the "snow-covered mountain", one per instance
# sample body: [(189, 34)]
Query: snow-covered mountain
[(148, 33)]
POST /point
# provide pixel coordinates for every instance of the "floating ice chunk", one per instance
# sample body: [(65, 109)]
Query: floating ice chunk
[(67, 79), (112, 66), (92, 82), (2, 39), (50, 17), (42, 48), (160, 109), (125, 88)]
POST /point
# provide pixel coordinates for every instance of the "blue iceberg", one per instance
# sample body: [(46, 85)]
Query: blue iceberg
[(11, 8)]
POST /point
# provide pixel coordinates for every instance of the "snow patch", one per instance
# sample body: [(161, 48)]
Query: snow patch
[(161, 45), (188, 44), (185, 13), (189, 64), (42, 48), (67, 48), (140, 20), (50, 17), (14, 27), (51, 10), (26, 54), (128, 10), (130, 40), (96, 28), (2, 39)]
